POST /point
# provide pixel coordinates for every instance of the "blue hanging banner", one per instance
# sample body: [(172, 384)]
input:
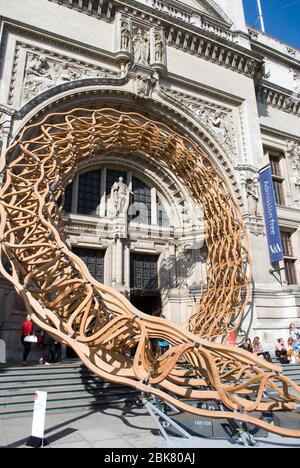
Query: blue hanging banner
[(271, 217)]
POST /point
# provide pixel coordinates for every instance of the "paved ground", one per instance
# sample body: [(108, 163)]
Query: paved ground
[(112, 428)]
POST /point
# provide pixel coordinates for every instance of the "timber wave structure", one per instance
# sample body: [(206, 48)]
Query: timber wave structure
[(110, 336)]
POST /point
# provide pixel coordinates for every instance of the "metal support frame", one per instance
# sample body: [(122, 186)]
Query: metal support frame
[(156, 413)]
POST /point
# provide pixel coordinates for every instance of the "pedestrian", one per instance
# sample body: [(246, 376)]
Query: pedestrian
[(41, 342), (49, 350), (27, 330), (57, 351)]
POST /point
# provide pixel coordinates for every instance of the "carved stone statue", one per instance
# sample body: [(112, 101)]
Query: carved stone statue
[(119, 198), (252, 197), (159, 48), (125, 36), (141, 47), (218, 124)]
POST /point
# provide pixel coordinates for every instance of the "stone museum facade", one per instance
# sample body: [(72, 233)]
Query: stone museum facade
[(195, 66)]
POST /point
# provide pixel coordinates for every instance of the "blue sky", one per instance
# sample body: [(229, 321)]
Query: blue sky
[(282, 18)]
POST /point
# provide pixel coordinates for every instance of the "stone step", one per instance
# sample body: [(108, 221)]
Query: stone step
[(57, 407), (69, 385)]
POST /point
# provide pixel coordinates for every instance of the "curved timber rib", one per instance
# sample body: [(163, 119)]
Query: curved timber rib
[(101, 326)]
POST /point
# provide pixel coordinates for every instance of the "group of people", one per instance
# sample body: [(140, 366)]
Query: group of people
[(50, 350), (256, 347), (287, 353)]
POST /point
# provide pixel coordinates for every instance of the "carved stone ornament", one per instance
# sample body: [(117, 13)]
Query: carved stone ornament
[(293, 154), (249, 180), (119, 199), (141, 46), (216, 120), (125, 36), (146, 84), (43, 72)]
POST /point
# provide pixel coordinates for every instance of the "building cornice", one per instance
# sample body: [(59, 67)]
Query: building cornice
[(212, 41), (287, 53), (277, 97), (265, 130)]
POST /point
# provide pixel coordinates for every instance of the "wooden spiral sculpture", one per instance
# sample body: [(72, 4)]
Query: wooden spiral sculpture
[(111, 337)]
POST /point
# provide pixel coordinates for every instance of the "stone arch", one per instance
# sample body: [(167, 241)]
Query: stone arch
[(82, 133), (96, 321), (116, 92)]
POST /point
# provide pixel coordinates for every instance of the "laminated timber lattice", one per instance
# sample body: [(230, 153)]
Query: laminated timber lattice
[(110, 336)]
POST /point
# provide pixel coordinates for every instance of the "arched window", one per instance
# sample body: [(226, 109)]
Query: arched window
[(92, 191)]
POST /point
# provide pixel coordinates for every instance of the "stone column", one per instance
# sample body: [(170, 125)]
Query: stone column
[(127, 267), (119, 263)]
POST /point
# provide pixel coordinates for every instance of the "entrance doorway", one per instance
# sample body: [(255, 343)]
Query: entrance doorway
[(146, 302), (145, 294)]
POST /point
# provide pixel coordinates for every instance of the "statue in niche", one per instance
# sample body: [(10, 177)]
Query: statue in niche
[(125, 36), (141, 47), (119, 198), (252, 197), (218, 124), (159, 48)]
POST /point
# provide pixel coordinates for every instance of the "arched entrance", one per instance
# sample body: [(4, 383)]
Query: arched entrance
[(99, 323)]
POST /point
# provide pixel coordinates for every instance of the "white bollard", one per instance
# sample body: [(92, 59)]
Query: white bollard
[(37, 438)]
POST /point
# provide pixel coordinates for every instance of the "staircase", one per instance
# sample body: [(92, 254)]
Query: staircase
[(70, 386)]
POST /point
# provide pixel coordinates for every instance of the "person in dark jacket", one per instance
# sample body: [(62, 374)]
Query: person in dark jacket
[(49, 350)]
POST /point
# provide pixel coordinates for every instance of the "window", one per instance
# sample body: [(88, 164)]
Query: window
[(89, 193), (278, 180), (68, 198), (163, 218), (94, 260), (289, 260), (142, 201), (143, 272)]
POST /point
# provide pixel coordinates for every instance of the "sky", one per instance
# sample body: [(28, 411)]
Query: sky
[(282, 18)]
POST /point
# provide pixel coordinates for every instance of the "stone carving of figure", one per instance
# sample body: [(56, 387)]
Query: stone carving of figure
[(141, 47), (252, 197), (38, 77), (159, 48), (125, 36), (119, 198), (65, 74), (218, 124), (38, 66)]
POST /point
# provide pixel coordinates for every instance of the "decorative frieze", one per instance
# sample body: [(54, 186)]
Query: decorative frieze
[(43, 70), (218, 120)]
